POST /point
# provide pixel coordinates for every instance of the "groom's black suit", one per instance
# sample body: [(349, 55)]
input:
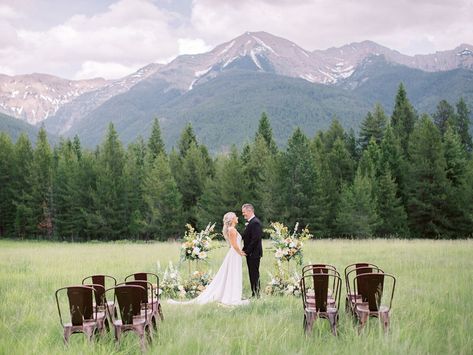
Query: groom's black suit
[(253, 248)]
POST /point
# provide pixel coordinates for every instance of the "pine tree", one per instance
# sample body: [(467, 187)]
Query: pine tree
[(463, 124), (41, 202), (444, 116), (392, 215), (373, 126), (155, 142), (428, 184), (356, 215), (186, 139), (403, 118), (194, 173), (108, 221), (455, 156), (298, 176), (224, 192), (25, 225), (7, 190), (163, 214), (134, 172), (66, 192), (265, 131)]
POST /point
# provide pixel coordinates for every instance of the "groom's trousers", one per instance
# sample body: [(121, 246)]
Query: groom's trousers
[(253, 270)]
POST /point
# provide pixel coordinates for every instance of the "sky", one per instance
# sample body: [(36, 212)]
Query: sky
[(81, 39)]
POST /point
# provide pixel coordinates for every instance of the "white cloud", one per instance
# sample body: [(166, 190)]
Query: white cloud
[(110, 70), (132, 33), (320, 24), (192, 46)]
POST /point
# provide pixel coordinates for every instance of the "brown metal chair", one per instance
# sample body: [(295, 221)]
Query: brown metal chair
[(370, 287), (350, 272), (154, 301), (134, 314), (146, 305), (315, 298), (325, 268), (83, 317), (106, 282)]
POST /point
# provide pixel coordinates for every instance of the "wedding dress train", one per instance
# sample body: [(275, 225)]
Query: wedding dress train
[(226, 287)]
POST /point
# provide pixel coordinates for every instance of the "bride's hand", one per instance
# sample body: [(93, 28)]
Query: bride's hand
[(243, 253)]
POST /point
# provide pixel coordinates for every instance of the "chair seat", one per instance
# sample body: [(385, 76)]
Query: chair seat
[(363, 307), (311, 309)]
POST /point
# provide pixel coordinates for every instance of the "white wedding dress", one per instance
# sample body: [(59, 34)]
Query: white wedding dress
[(226, 287)]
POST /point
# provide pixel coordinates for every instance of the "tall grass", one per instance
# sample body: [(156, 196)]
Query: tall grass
[(432, 310)]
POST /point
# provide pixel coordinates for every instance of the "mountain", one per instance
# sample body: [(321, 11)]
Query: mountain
[(15, 127), (232, 84), (78, 108), (35, 97)]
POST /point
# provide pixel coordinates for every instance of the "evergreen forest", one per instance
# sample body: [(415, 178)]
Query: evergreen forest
[(407, 175)]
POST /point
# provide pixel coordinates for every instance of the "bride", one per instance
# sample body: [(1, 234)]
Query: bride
[(226, 287)]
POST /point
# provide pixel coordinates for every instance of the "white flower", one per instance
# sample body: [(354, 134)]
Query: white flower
[(202, 255), (285, 251), (290, 288), (279, 253), (196, 251), (292, 245)]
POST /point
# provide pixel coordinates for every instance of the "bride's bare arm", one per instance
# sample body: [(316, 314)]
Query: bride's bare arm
[(232, 236)]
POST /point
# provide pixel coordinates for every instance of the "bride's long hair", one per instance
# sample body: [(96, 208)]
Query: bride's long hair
[(227, 222)]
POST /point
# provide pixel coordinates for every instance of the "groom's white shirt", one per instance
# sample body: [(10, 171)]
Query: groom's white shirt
[(251, 218)]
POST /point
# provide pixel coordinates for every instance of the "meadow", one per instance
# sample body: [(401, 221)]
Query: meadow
[(432, 310)]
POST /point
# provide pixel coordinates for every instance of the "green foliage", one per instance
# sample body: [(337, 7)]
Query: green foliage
[(329, 182), (373, 126)]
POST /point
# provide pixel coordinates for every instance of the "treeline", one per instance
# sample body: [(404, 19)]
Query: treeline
[(404, 176)]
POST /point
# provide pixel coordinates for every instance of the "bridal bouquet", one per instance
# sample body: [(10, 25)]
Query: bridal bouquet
[(196, 245), (287, 246)]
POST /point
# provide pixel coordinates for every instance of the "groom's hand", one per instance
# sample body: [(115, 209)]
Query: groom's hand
[(243, 253)]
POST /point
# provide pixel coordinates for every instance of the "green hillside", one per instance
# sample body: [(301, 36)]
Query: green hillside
[(14, 127), (225, 110)]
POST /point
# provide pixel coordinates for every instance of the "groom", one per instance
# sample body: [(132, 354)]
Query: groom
[(253, 247)]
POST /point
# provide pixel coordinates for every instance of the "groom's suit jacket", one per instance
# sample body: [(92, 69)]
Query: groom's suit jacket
[(252, 234)]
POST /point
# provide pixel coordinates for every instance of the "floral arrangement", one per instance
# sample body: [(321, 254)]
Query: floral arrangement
[(196, 245), (287, 246), (283, 285), (172, 285), (196, 284)]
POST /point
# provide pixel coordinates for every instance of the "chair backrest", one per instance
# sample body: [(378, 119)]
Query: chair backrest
[(370, 286), (129, 299), (99, 291), (146, 285), (311, 267), (80, 304), (318, 282), (357, 269), (144, 276)]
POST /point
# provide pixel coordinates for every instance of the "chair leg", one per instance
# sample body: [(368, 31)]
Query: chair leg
[(67, 334), (332, 318), (118, 333), (384, 317), (160, 311), (154, 322), (310, 321), (363, 317)]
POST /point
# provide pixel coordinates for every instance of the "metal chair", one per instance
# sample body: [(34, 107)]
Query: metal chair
[(154, 301), (315, 298), (351, 271), (83, 316), (134, 315), (370, 287)]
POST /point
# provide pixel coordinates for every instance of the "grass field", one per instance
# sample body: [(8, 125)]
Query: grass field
[(432, 310)]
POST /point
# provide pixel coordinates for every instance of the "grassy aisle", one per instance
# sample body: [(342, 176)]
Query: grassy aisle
[(432, 310)]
